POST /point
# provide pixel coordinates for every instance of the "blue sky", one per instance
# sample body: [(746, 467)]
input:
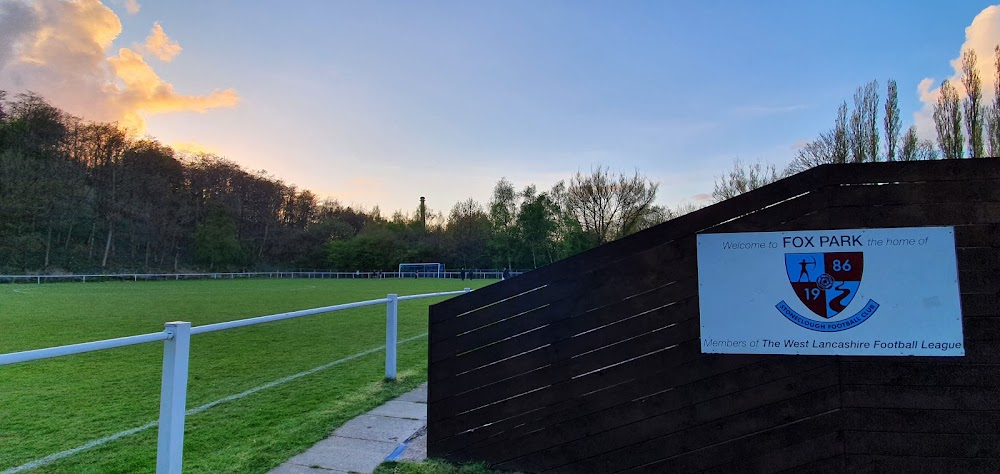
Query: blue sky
[(383, 102)]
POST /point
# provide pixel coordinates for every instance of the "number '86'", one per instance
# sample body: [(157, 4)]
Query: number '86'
[(839, 266)]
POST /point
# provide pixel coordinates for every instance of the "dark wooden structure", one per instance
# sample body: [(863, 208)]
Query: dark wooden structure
[(593, 364)]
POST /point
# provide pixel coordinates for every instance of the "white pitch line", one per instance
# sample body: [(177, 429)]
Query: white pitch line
[(102, 441)]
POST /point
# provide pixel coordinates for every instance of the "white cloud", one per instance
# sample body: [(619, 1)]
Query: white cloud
[(981, 36)]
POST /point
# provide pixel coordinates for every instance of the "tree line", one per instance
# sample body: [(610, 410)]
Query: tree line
[(966, 127), (80, 196)]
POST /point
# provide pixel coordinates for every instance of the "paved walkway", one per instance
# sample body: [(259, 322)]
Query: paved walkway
[(366, 441)]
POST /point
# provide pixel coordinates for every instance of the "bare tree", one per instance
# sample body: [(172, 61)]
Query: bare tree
[(743, 178), (610, 207), (973, 103), (820, 151), (948, 121), (926, 151), (891, 121)]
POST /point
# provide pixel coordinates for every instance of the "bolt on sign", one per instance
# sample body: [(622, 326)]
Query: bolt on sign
[(879, 292)]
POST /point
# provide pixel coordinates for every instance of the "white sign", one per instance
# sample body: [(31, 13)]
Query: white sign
[(846, 292)]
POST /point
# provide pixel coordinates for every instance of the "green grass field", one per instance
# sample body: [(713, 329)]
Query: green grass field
[(54, 405)]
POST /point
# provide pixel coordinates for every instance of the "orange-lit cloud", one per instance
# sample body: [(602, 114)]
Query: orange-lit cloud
[(132, 6), (144, 88), (981, 36), (60, 49), (196, 148), (160, 45)]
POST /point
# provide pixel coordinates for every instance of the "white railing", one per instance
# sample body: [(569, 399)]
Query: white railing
[(479, 275), (176, 351)]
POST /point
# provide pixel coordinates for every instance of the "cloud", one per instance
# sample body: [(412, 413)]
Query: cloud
[(195, 148), (981, 36), (160, 45), (60, 49), (17, 20), (144, 88), (132, 6)]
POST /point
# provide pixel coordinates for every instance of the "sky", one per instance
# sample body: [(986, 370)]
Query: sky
[(381, 102)]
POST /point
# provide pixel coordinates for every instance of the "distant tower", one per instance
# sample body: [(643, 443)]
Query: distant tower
[(423, 213)]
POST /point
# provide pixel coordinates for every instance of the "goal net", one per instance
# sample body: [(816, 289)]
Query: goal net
[(421, 270)]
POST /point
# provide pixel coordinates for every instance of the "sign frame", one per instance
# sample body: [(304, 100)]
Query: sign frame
[(859, 292)]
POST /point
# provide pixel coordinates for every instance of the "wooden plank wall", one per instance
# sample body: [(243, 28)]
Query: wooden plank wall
[(593, 364)]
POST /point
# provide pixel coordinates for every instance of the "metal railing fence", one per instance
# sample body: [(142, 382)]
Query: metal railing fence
[(93, 277), (176, 354)]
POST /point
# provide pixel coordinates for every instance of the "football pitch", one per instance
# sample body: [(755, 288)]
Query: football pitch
[(261, 393)]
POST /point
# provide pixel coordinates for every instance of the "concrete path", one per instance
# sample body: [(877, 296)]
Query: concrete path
[(366, 441)]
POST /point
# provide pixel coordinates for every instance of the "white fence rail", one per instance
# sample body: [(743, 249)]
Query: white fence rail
[(476, 275), (176, 352)]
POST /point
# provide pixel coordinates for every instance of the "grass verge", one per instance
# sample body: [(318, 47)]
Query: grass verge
[(435, 466), (59, 404)]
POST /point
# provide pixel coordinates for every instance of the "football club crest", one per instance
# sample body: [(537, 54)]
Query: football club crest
[(825, 284)]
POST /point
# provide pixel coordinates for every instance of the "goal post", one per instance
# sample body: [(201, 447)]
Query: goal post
[(421, 270)]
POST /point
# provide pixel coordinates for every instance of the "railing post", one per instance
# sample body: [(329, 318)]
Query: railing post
[(391, 311), (173, 398)]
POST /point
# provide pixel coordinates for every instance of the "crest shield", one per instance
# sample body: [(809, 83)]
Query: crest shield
[(825, 282)]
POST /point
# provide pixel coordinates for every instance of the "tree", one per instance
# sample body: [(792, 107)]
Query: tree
[(569, 237), (948, 121), (993, 113), (926, 151), (821, 151), (833, 146), (891, 121), (743, 178), (908, 148), (3, 114), (610, 207), (35, 126), (871, 120), (840, 139), (150, 194), (503, 216), (973, 103), (536, 225), (863, 128), (216, 242), (104, 146), (375, 248), (914, 149), (468, 234)]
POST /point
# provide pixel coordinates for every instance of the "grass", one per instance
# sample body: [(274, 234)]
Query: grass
[(434, 466), (58, 404)]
